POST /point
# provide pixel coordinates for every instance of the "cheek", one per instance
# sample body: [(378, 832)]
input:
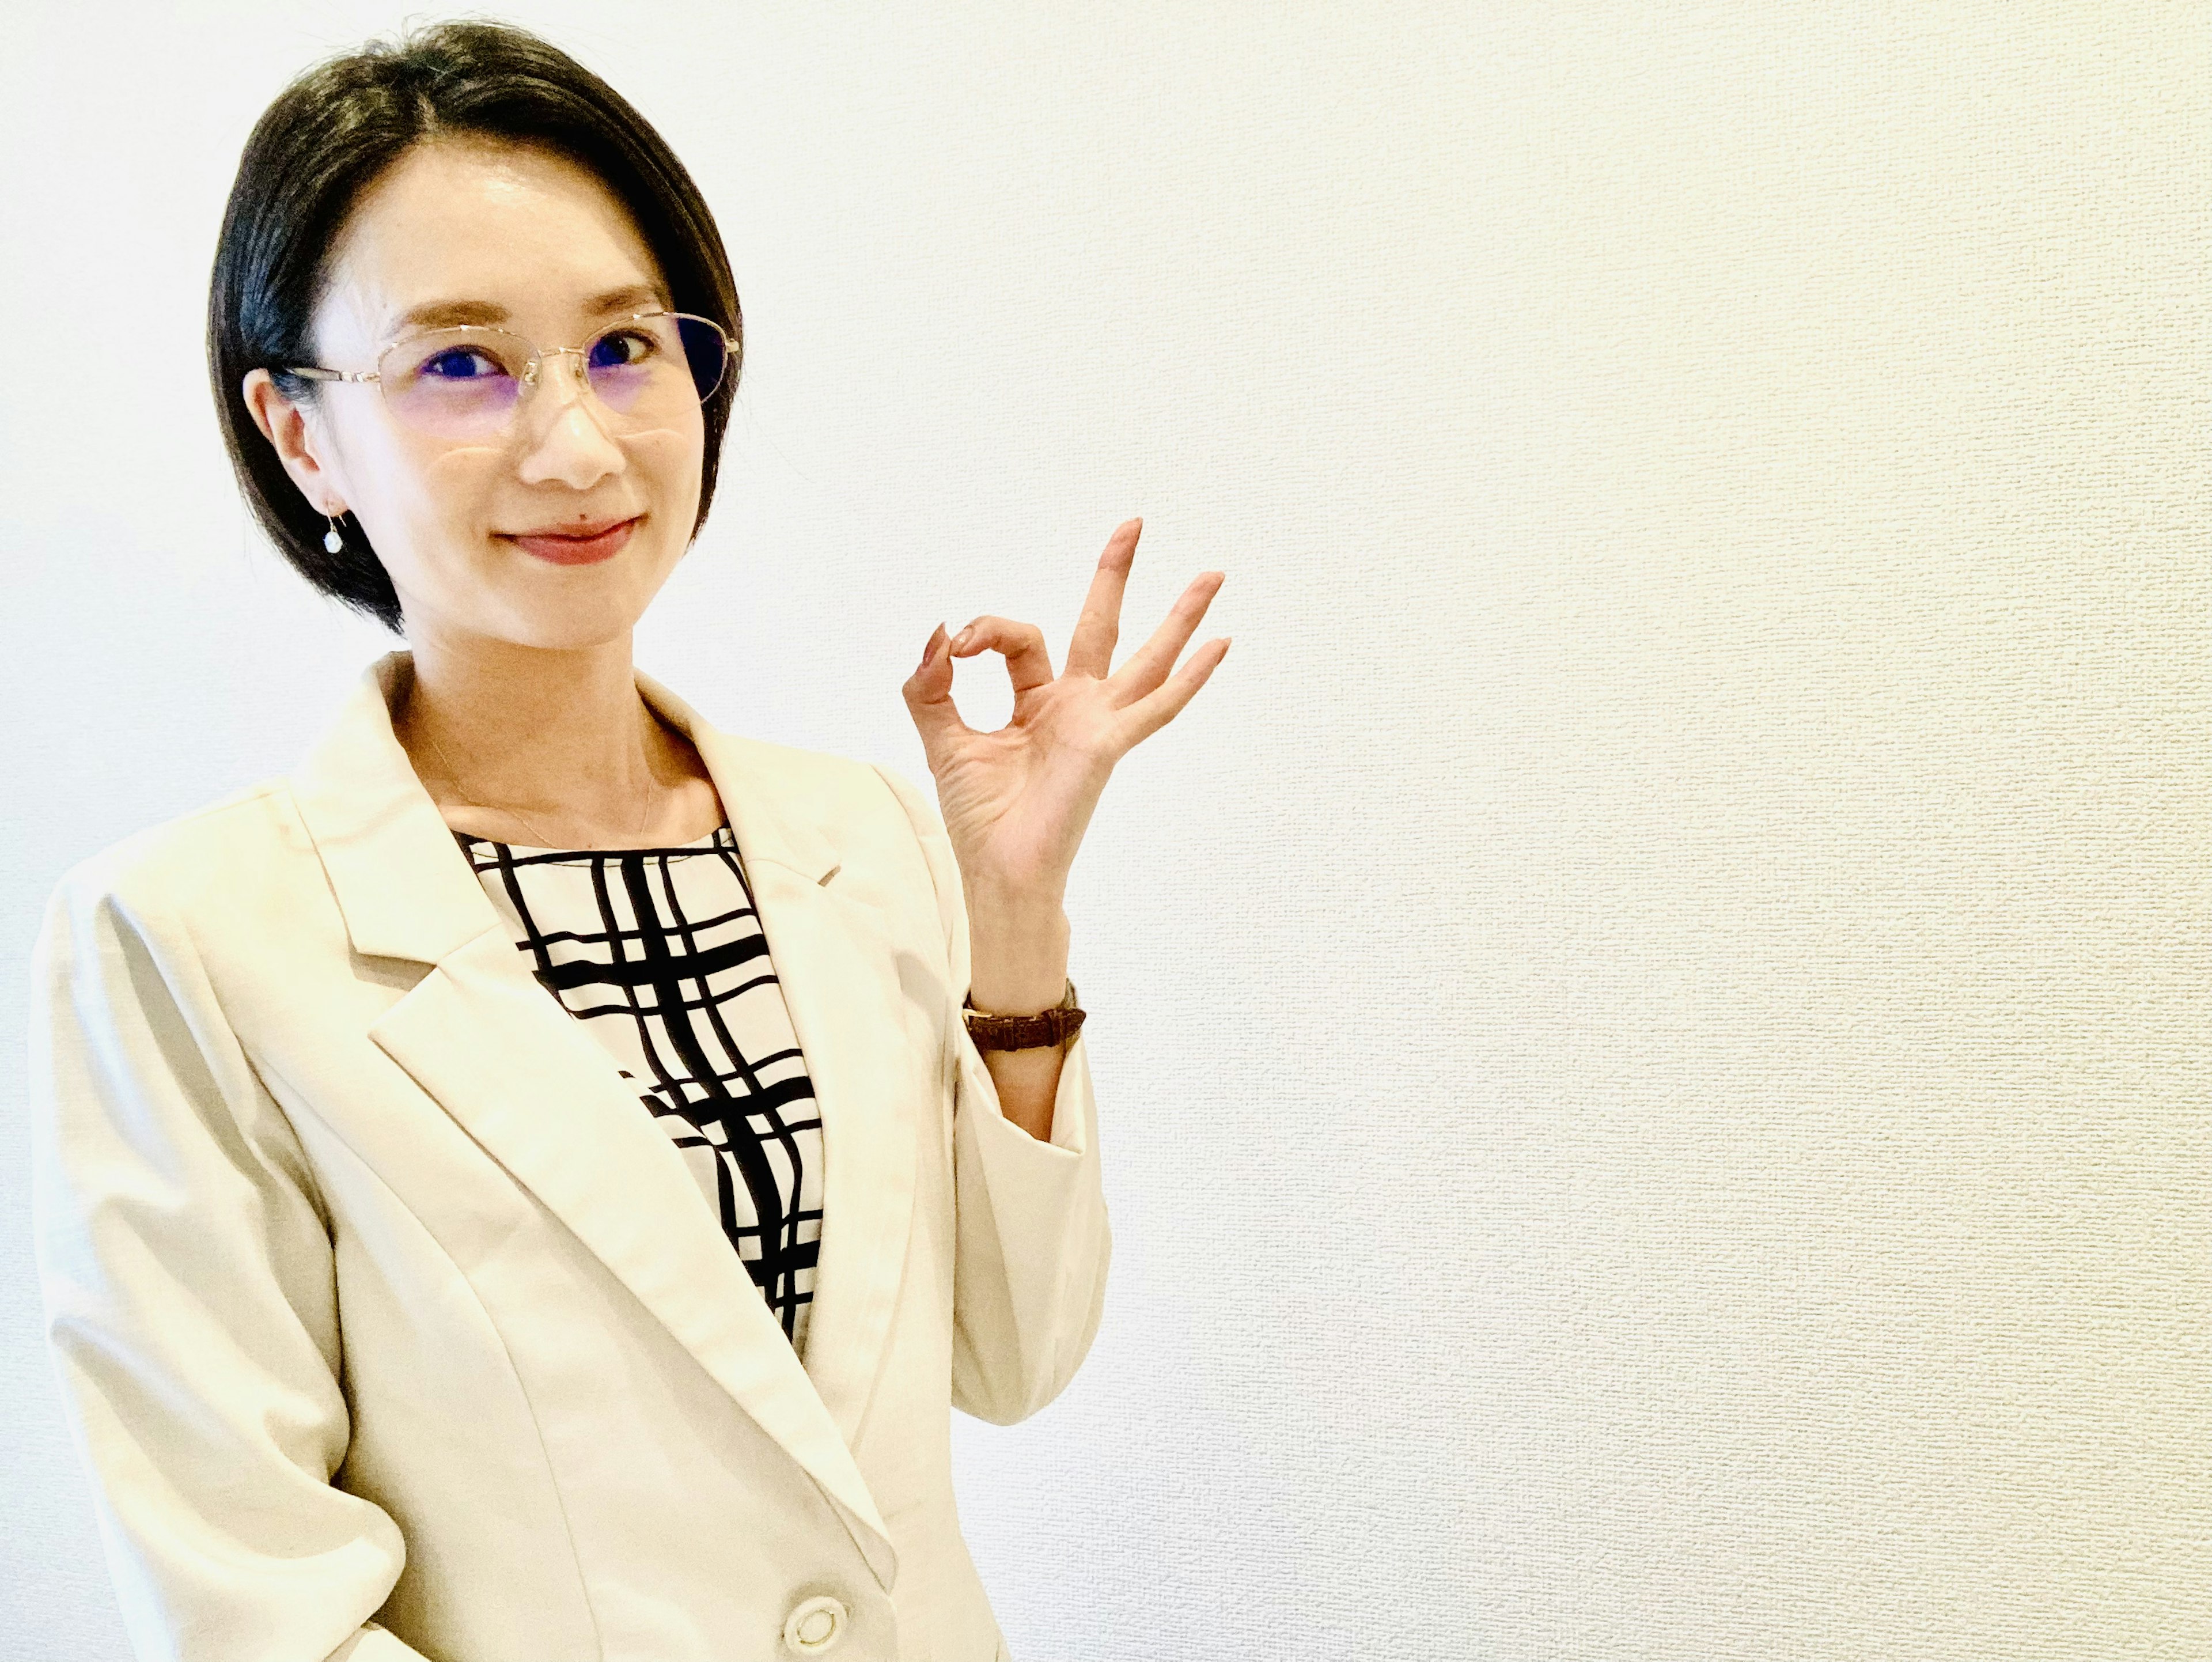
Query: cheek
[(454, 478), (432, 506), (386, 468), (668, 464), (402, 493)]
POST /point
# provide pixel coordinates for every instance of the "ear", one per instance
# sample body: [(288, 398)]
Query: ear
[(284, 424)]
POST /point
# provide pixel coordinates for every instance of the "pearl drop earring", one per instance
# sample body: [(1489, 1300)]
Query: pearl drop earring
[(331, 540)]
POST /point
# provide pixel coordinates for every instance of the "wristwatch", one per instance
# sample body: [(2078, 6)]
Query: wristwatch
[(1029, 1033)]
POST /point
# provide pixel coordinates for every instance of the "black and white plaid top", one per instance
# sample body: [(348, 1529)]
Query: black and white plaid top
[(658, 952)]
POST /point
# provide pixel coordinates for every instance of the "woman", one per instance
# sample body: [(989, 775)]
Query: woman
[(531, 1182)]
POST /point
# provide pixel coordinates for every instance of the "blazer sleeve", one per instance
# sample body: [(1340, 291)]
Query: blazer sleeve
[(186, 1272), (1032, 1243)]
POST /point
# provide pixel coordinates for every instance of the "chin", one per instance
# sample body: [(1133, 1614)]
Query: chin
[(522, 602), (566, 623)]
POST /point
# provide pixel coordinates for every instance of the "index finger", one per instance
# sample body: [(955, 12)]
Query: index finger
[(1091, 651)]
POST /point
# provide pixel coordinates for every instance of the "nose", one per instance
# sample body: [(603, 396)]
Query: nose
[(565, 439)]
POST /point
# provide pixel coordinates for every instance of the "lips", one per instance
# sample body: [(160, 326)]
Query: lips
[(585, 545)]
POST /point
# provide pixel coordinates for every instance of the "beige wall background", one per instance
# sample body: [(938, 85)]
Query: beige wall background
[(1651, 1023)]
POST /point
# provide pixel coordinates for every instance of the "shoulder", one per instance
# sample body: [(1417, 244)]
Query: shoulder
[(201, 862)]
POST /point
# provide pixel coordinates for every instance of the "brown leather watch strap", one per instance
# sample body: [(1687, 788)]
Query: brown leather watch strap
[(1029, 1033)]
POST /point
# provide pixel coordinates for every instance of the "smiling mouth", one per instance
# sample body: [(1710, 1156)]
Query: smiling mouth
[(560, 548)]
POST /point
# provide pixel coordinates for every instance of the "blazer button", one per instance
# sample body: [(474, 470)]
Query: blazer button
[(814, 1626)]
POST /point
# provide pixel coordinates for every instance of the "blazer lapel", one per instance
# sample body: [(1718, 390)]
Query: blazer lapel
[(840, 982), (546, 1101)]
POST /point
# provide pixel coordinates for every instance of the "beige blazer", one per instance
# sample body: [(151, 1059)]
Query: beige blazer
[(391, 1326)]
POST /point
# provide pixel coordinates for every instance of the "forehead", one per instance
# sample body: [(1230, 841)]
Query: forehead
[(475, 230)]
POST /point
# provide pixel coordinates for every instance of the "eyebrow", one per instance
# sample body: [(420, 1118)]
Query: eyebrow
[(445, 313)]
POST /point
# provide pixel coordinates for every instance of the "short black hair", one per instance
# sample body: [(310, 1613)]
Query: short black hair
[(332, 133)]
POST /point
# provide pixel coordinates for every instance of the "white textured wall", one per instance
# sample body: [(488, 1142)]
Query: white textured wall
[(1651, 1023)]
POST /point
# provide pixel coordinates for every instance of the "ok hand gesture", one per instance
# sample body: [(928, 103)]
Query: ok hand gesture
[(1015, 802)]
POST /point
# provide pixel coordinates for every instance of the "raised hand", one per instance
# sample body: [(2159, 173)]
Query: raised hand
[(1015, 802)]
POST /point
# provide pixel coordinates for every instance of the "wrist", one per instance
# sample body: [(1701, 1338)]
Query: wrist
[(1016, 956), (988, 898)]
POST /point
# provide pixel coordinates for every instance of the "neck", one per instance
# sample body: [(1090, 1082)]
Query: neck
[(559, 735)]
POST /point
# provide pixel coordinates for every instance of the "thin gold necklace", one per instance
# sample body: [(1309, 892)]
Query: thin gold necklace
[(645, 814)]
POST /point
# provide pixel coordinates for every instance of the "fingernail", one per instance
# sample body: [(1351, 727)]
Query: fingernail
[(961, 639)]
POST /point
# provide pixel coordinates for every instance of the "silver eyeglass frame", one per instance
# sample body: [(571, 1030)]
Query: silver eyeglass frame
[(537, 354)]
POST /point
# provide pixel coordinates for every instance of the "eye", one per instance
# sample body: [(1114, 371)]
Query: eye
[(620, 348), (460, 363)]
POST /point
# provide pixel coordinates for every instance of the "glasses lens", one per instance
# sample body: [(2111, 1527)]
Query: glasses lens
[(637, 369), (707, 351), (458, 383), (656, 368)]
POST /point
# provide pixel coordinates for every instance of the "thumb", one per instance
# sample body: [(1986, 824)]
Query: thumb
[(928, 694)]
